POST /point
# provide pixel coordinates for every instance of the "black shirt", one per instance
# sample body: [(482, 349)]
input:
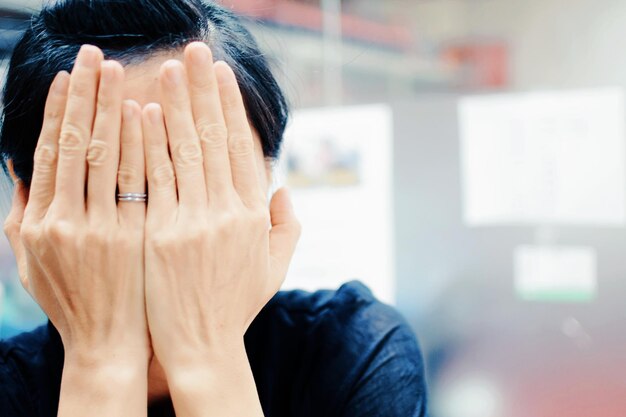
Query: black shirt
[(323, 354)]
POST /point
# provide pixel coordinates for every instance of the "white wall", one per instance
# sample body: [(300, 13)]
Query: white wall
[(554, 43), (557, 43)]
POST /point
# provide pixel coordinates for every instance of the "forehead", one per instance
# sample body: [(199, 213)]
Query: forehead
[(141, 84), (142, 78)]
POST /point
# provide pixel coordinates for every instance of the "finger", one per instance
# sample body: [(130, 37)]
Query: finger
[(284, 234), (240, 140), (160, 171), (182, 136), (209, 119), (69, 195), (103, 153), (132, 172), (12, 230), (45, 160)]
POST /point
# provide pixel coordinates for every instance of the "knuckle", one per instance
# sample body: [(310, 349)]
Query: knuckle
[(203, 85), (188, 154), (97, 152), (161, 243), (9, 227), (212, 135), (45, 158), (226, 222), (241, 145), (230, 223), (57, 232), (53, 114), (24, 282), (163, 176), (129, 175), (81, 87), (29, 235), (72, 137)]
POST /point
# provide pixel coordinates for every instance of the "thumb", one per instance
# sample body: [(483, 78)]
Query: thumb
[(12, 226), (284, 234)]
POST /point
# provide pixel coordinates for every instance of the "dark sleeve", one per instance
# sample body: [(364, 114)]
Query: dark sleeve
[(392, 382), (14, 400), (371, 364), (31, 365)]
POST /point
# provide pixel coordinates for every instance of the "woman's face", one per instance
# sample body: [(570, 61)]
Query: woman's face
[(142, 85)]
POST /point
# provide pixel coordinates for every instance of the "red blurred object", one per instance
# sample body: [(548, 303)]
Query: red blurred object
[(481, 64), (310, 17), (546, 374)]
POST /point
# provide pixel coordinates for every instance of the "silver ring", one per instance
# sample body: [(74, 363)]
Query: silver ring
[(133, 197)]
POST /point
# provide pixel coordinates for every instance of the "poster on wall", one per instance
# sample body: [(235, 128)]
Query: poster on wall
[(544, 158), (336, 162), (555, 273)]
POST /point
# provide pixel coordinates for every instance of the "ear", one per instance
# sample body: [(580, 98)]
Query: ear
[(13, 225), (22, 191), (9, 163)]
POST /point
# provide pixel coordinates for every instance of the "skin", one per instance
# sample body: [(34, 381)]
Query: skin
[(151, 300)]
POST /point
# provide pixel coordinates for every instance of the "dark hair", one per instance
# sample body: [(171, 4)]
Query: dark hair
[(129, 31)]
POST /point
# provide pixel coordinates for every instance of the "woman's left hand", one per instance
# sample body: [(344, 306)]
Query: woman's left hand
[(212, 261)]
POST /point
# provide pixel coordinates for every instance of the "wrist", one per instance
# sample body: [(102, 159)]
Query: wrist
[(95, 360), (110, 379), (219, 382), (183, 357), (191, 366), (116, 387)]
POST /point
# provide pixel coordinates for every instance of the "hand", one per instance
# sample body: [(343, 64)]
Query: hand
[(212, 261), (80, 255)]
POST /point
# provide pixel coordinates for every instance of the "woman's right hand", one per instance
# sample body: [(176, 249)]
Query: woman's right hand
[(80, 253)]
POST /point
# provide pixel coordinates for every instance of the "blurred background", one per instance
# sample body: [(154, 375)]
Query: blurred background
[(466, 160)]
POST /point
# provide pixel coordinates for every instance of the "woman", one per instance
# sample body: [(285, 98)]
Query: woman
[(170, 305)]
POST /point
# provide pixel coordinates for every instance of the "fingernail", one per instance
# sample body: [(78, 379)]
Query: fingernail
[(223, 72), (107, 71), (154, 113), (128, 109), (88, 56), (174, 73), (60, 83), (199, 55)]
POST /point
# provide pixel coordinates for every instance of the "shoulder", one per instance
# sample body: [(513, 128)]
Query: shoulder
[(351, 312), (350, 345), (351, 299), (30, 370)]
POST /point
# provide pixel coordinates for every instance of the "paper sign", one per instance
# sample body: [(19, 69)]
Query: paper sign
[(337, 163), (547, 158), (555, 273)]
